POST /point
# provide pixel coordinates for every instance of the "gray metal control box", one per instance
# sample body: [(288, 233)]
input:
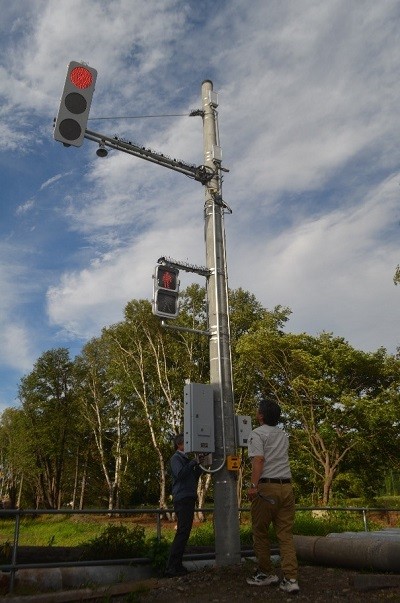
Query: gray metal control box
[(198, 418), (243, 429)]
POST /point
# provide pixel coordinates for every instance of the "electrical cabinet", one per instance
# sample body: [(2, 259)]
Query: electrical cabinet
[(198, 418)]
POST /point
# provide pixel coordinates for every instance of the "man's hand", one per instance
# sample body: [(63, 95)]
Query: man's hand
[(204, 458), (252, 493)]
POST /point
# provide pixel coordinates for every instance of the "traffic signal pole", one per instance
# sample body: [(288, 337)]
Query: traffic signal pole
[(70, 129), (226, 516)]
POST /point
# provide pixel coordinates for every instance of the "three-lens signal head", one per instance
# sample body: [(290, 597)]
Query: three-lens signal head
[(75, 104)]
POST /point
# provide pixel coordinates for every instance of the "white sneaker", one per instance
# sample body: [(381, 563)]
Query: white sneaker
[(289, 586), (260, 579)]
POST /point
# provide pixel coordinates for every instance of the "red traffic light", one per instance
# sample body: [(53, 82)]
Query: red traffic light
[(167, 278), (75, 104), (81, 77)]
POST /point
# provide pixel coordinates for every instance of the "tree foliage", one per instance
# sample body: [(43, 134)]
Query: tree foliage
[(326, 389), (98, 429), (49, 407), (396, 277)]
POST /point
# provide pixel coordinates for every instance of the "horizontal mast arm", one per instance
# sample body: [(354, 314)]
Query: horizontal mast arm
[(200, 173)]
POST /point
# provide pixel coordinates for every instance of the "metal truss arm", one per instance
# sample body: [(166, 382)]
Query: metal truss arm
[(200, 173), (166, 261)]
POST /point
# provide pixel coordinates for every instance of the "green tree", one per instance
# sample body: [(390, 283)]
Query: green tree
[(325, 387), (106, 411), (396, 277), (16, 461), (50, 411), (247, 317), (378, 452), (103, 424), (150, 365)]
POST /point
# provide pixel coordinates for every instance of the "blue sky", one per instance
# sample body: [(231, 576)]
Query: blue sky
[(310, 129)]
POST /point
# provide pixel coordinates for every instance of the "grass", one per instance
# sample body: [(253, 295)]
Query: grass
[(75, 530), (56, 530)]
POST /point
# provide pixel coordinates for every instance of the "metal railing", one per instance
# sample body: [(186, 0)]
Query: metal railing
[(159, 513)]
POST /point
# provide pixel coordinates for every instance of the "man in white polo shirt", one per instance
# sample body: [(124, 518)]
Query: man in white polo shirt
[(272, 499)]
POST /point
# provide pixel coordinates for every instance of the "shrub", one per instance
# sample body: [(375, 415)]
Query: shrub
[(246, 535), (5, 552), (158, 551), (116, 542), (202, 535), (391, 502)]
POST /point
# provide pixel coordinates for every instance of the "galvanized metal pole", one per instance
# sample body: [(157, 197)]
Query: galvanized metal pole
[(226, 518)]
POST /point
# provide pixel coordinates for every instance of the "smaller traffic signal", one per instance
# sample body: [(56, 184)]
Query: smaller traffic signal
[(75, 104), (166, 292)]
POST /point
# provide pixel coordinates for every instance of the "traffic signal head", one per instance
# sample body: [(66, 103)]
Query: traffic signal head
[(166, 292), (75, 104)]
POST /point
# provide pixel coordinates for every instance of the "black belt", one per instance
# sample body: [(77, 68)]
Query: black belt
[(274, 480)]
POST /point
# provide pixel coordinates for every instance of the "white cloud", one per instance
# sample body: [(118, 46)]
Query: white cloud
[(309, 128), (335, 272), (297, 110), (25, 207), (314, 97), (87, 300), (51, 181), (125, 40), (16, 351)]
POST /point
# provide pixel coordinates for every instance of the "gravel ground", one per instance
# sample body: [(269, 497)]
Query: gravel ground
[(228, 585)]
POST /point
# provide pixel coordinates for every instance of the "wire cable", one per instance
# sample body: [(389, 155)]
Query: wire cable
[(140, 116)]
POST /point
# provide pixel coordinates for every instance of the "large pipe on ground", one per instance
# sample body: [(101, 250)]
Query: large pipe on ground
[(377, 551)]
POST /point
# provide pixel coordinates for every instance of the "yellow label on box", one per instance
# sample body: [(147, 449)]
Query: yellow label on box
[(233, 463)]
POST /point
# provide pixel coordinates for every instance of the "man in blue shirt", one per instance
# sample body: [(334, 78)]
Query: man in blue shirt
[(185, 475)]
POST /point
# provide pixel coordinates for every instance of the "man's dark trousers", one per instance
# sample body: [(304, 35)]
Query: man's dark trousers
[(184, 510)]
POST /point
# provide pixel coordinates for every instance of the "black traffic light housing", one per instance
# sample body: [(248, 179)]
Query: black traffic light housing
[(75, 104), (166, 291)]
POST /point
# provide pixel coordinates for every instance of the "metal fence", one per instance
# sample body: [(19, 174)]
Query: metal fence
[(158, 513)]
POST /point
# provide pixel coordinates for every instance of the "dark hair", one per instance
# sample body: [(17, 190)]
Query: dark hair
[(178, 440), (270, 411)]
